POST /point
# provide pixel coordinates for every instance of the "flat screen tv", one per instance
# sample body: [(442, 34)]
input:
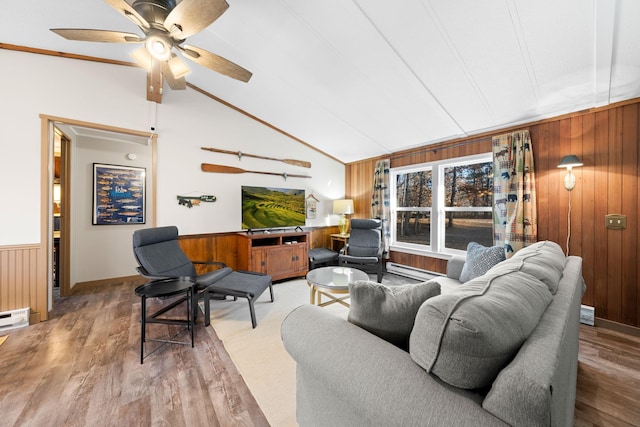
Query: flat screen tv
[(270, 208)]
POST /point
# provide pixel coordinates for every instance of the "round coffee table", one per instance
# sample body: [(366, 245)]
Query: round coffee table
[(320, 280)]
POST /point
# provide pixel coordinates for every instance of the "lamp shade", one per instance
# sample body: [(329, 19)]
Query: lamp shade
[(342, 207), (570, 161)]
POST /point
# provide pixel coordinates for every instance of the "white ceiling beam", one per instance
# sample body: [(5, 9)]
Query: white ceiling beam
[(524, 48), (604, 35)]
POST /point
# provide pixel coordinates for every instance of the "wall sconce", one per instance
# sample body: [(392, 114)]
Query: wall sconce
[(570, 162), (343, 208)]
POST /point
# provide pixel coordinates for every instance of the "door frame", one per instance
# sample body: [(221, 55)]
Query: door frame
[(46, 224)]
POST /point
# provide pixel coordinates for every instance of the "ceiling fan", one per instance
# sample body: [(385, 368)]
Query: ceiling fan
[(166, 25)]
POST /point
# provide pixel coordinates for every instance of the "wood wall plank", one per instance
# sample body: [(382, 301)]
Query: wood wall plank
[(629, 205), (19, 277), (601, 264), (588, 204), (614, 237)]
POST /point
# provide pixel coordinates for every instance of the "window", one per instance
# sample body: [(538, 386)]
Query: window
[(440, 207)]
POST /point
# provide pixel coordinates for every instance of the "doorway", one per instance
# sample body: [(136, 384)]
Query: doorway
[(64, 220)]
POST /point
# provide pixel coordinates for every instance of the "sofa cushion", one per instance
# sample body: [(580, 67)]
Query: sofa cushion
[(467, 336), (544, 260), (388, 311), (479, 260)]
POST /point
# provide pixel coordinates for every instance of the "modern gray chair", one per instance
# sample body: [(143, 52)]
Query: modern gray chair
[(160, 257), (364, 248)]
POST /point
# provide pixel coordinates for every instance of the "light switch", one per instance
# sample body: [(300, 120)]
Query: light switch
[(615, 221)]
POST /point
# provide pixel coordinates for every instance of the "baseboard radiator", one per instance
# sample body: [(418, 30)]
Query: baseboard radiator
[(14, 319), (587, 315), (412, 272)]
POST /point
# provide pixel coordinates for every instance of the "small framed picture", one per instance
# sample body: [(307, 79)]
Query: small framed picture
[(118, 194)]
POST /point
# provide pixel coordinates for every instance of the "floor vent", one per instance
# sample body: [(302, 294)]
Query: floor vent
[(412, 272), (587, 315), (14, 319)]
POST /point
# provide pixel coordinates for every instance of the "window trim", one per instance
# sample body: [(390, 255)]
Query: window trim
[(438, 210)]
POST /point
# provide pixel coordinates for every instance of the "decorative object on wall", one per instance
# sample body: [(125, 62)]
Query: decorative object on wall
[(191, 201), (208, 167), (515, 218), (343, 208), (118, 194), (240, 154), (312, 206), (571, 161)]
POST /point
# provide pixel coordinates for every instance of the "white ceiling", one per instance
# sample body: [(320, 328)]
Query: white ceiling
[(362, 78)]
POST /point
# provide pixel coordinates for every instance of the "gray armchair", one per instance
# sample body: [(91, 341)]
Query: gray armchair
[(160, 257), (364, 249)]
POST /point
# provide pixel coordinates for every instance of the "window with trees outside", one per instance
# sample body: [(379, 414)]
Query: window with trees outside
[(442, 206)]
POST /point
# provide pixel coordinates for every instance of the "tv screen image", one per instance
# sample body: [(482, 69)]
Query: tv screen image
[(269, 207)]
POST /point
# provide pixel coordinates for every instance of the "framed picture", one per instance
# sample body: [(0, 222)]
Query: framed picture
[(118, 194)]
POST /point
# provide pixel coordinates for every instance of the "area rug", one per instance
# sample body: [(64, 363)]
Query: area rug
[(259, 353)]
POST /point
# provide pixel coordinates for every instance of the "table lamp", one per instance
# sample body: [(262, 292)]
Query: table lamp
[(343, 208)]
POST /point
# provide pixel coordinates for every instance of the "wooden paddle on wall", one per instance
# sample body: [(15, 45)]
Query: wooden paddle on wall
[(208, 167), (240, 154)]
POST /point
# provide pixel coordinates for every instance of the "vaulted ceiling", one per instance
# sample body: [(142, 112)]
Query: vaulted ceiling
[(362, 78)]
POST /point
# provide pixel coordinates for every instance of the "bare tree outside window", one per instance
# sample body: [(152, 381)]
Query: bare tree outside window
[(414, 197), (468, 187)]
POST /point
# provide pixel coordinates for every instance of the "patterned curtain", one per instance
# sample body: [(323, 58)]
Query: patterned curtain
[(515, 220), (380, 203)]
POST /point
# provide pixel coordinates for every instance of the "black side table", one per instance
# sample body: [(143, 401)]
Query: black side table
[(162, 289)]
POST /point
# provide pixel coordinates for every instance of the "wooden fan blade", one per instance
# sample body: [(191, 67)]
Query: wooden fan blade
[(175, 83), (216, 63), (127, 10), (105, 36), (192, 16)]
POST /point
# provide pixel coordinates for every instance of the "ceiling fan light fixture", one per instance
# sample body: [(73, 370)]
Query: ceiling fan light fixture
[(143, 58), (178, 68), (159, 47)]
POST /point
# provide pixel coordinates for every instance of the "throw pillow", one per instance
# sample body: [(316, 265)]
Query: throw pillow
[(479, 260), (467, 336), (388, 311)]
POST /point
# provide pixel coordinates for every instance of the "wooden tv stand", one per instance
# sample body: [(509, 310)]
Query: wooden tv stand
[(280, 255)]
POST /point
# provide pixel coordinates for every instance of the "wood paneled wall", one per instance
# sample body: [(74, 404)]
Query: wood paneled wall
[(607, 140), (21, 270)]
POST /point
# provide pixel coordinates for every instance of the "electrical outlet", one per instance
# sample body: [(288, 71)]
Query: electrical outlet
[(615, 221)]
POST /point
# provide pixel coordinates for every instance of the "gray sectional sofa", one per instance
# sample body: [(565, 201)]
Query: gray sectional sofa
[(500, 349)]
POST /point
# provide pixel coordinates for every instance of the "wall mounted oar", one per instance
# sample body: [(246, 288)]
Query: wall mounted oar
[(240, 154), (208, 167)]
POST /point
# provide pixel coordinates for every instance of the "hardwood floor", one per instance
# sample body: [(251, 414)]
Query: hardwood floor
[(82, 368), (608, 391)]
